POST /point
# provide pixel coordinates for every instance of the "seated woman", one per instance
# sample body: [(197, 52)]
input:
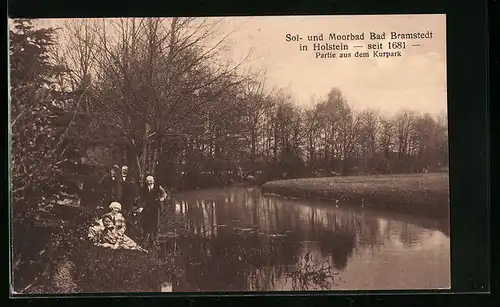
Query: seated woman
[(109, 231), (118, 219), (95, 231), (114, 237)]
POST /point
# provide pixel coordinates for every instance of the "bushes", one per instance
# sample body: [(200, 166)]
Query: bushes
[(116, 269)]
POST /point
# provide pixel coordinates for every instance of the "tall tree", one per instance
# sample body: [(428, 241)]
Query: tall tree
[(38, 146), (43, 155)]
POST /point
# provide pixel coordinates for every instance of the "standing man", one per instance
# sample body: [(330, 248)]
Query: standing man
[(130, 192), (153, 196), (111, 187)]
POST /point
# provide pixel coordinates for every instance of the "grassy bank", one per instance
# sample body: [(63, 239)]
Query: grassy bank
[(422, 194)]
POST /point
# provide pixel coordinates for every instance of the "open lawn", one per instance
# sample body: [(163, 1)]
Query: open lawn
[(423, 194)]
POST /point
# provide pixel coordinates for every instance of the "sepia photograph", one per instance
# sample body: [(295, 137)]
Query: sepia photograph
[(228, 154)]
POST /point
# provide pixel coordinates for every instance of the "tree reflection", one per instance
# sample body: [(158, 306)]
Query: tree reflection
[(339, 245), (312, 274), (409, 235), (228, 260), (238, 240)]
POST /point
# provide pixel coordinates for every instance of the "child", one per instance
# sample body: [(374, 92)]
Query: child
[(95, 231)]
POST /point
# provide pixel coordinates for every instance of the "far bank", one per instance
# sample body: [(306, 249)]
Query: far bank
[(422, 194)]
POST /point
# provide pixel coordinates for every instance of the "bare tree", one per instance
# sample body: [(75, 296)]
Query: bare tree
[(151, 75), (312, 128), (405, 132), (369, 121), (257, 102)]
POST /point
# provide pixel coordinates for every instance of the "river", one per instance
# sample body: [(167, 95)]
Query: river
[(237, 239)]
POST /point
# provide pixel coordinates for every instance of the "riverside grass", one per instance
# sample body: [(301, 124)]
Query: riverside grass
[(423, 194)]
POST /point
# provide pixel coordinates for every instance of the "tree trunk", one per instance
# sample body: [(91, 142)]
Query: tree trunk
[(145, 148), (154, 159), (253, 151)]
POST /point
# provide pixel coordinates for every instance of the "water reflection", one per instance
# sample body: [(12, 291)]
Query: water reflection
[(238, 240)]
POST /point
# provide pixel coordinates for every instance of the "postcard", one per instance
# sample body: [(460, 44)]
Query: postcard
[(229, 154)]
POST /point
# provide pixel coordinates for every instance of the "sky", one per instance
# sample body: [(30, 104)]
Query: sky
[(414, 81)]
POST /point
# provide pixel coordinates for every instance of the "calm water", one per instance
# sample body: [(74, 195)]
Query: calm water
[(236, 239)]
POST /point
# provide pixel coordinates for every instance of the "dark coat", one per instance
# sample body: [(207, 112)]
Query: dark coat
[(151, 215), (151, 198), (111, 189), (130, 191)]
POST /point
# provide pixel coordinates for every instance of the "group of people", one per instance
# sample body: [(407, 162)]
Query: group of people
[(109, 231), (126, 199)]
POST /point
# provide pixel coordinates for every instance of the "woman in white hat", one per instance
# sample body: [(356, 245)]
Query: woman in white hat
[(118, 219)]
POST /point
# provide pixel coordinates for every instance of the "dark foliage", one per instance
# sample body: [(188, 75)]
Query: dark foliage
[(43, 158)]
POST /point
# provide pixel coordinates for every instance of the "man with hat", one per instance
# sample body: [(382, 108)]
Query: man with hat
[(111, 186)]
